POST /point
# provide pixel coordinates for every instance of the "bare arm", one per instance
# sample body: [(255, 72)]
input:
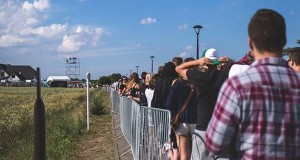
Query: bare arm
[(181, 69)]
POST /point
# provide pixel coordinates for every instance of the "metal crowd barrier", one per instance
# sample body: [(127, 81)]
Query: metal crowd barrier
[(106, 89), (115, 101), (155, 131), (146, 129)]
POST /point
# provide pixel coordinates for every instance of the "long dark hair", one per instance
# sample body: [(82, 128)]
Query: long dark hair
[(152, 81)]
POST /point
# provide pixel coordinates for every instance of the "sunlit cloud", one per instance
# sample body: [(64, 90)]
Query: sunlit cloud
[(21, 23), (182, 27), (54, 30), (187, 51), (292, 12), (10, 40), (82, 36), (138, 45), (148, 21), (36, 5), (70, 44)]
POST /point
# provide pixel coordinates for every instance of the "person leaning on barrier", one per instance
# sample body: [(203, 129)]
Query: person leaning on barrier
[(133, 87), (294, 59), (257, 114), (123, 85)]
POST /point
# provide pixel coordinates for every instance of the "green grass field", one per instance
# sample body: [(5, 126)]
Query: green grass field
[(65, 110)]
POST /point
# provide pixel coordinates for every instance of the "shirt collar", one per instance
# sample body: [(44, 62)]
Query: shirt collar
[(271, 61)]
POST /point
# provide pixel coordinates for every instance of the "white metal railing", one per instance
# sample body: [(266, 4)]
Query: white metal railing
[(146, 129)]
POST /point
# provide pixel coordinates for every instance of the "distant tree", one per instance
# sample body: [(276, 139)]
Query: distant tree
[(115, 77), (75, 79), (104, 80), (286, 50), (94, 81)]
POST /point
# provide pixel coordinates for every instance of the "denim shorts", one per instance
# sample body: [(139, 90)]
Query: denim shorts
[(185, 128)]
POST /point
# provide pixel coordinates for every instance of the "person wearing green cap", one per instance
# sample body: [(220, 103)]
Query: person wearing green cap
[(204, 74)]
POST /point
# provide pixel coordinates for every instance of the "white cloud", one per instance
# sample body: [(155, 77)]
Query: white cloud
[(148, 21), (37, 4), (189, 48), (21, 23), (138, 45), (50, 31), (187, 51), (291, 12), (70, 44), (10, 40), (182, 27), (18, 20), (82, 36), (183, 54), (31, 21)]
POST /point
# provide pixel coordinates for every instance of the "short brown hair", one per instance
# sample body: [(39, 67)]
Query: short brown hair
[(177, 60), (294, 54), (267, 30)]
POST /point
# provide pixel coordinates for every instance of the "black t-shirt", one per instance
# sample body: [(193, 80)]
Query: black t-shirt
[(122, 86), (143, 98), (207, 92)]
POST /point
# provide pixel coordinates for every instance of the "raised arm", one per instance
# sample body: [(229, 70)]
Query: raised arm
[(181, 69)]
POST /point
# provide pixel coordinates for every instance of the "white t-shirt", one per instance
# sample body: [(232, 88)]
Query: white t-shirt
[(149, 95), (237, 68)]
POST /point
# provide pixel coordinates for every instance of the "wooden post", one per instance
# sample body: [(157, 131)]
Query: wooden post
[(88, 77), (39, 123)]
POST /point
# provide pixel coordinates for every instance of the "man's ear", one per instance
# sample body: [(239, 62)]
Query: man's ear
[(293, 62), (250, 43)]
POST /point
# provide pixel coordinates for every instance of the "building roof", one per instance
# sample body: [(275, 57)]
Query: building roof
[(58, 78), (24, 72)]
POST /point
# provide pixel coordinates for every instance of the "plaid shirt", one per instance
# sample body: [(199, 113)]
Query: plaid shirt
[(257, 114)]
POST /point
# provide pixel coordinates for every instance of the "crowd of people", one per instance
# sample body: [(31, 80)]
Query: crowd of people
[(245, 109)]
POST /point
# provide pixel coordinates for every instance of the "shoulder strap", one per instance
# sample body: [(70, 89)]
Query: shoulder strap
[(186, 101), (173, 82)]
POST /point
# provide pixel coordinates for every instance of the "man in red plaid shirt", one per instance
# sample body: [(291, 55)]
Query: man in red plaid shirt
[(257, 114)]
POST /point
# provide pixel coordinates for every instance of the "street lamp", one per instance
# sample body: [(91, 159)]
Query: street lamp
[(137, 69), (197, 30), (152, 57), (130, 72)]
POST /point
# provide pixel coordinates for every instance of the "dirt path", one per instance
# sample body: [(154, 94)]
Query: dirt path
[(98, 142)]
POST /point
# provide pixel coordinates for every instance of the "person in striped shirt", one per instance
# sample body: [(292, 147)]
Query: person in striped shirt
[(257, 113)]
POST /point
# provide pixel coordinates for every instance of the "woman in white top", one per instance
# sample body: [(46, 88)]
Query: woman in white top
[(241, 65), (150, 89)]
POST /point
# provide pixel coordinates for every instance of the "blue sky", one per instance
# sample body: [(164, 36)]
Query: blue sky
[(114, 36)]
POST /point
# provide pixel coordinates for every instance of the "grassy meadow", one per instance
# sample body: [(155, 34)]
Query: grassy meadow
[(65, 110)]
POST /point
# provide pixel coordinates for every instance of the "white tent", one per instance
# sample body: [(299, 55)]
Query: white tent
[(58, 78)]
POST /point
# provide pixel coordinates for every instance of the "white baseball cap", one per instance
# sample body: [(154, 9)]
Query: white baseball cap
[(212, 54)]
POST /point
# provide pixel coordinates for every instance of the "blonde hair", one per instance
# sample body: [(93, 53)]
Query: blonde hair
[(148, 78)]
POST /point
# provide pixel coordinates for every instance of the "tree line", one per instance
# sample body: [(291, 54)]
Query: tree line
[(287, 49), (107, 80)]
